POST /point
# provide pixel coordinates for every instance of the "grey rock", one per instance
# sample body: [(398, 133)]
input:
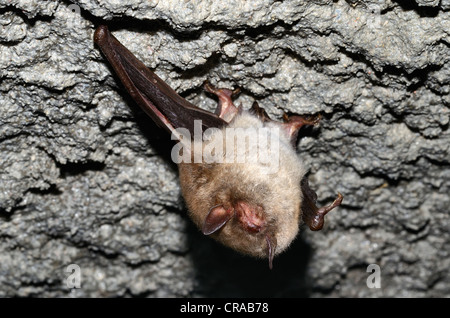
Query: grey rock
[(86, 178)]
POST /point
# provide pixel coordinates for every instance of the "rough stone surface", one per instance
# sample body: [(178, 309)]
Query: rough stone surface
[(86, 177)]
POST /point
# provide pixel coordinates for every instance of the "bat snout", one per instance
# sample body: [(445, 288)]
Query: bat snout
[(250, 216)]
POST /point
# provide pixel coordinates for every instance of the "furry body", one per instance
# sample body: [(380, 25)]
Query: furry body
[(276, 195)]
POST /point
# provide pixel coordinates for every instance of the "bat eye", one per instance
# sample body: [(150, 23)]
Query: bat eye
[(217, 217)]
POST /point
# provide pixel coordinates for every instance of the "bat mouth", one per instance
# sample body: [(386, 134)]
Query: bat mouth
[(252, 218)]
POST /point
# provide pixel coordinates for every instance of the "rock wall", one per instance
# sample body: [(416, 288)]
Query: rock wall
[(86, 178)]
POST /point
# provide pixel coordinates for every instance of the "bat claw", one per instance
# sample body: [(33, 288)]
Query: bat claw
[(318, 219), (271, 247), (292, 124), (226, 109), (260, 112), (219, 91)]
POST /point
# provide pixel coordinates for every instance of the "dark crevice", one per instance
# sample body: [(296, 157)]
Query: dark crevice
[(392, 182), (10, 43), (142, 26), (18, 206), (418, 77), (386, 10), (201, 70), (53, 189), (423, 11), (103, 252), (143, 294), (48, 284), (76, 168), (23, 133), (405, 5), (187, 34), (418, 230), (443, 41), (144, 262), (5, 215), (30, 21), (357, 266), (316, 65), (323, 290), (65, 91), (341, 112), (442, 164)]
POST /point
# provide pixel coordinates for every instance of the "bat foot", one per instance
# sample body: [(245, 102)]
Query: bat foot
[(317, 221), (226, 109), (293, 124), (260, 112), (302, 120)]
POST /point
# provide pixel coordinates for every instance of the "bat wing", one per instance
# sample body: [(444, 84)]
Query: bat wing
[(167, 109)]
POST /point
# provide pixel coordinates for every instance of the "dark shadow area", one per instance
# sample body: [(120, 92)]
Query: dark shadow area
[(417, 78), (6, 216), (75, 168), (29, 21), (222, 272), (423, 11), (51, 190)]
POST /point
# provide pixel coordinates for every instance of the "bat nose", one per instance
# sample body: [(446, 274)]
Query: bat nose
[(250, 216)]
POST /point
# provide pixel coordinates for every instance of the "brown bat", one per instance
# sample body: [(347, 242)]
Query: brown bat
[(254, 206)]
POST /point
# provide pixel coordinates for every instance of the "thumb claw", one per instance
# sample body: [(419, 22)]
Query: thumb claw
[(271, 246)]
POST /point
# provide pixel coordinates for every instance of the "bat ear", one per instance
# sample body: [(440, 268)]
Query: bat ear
[(217, 217)]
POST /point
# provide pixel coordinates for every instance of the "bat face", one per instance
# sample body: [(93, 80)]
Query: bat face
[(241, 178)]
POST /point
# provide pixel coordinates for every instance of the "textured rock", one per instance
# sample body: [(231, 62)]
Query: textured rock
[(86, 177)]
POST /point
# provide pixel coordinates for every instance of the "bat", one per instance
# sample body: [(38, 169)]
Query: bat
[(240, 175)]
